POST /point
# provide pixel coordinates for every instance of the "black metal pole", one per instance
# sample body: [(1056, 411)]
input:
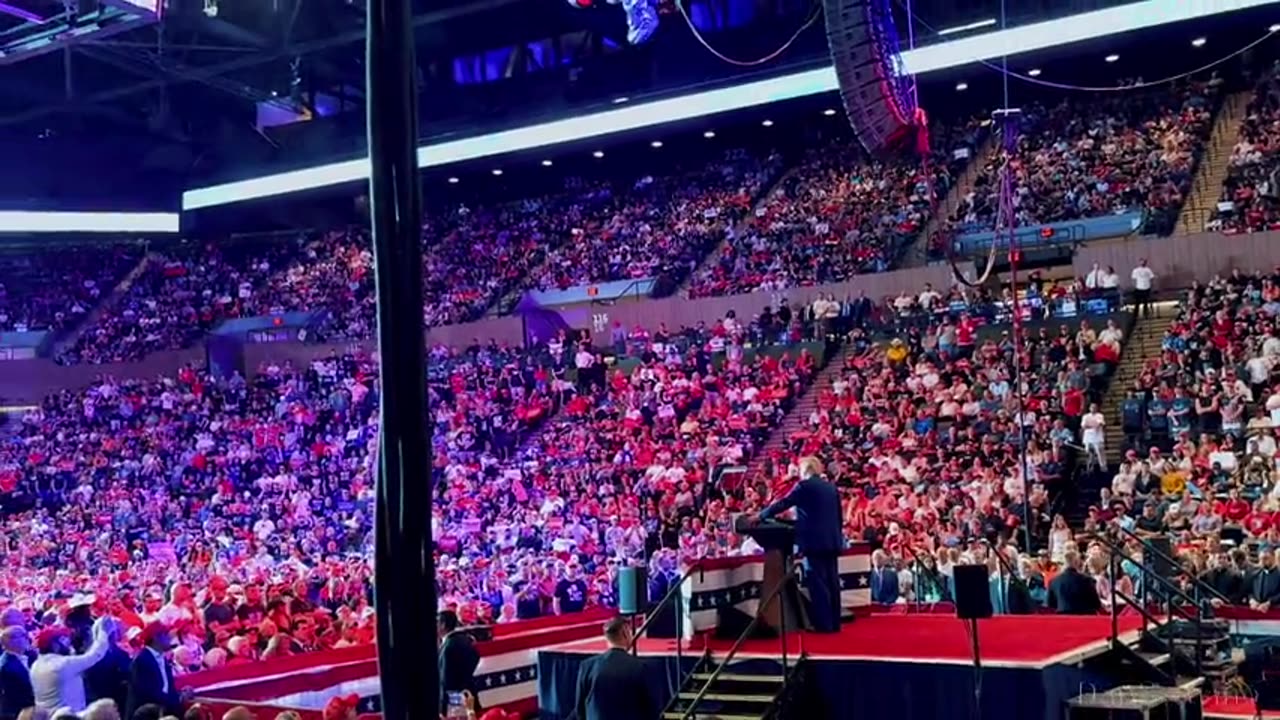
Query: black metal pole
[(404, 589)]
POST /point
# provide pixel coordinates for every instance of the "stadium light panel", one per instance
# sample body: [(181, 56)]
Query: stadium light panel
[(930, 58), (25, 221)]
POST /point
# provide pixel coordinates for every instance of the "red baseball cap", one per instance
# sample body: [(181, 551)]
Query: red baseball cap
[(46, 637), (339, 707), (152, 630)]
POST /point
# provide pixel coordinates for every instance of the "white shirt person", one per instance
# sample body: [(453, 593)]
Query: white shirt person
[(57, 676)]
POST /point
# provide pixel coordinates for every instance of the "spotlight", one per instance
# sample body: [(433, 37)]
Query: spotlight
[(597, 154), (453, 181), (546, 163), (961, 87), (497, 171), (1274, 28), (1112, 58), (829, 112), (655, 144), (1034, 72), (709, 134), (1198, 42), (767, 123)]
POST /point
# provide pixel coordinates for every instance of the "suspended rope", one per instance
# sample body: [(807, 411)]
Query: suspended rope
[(808, 23)]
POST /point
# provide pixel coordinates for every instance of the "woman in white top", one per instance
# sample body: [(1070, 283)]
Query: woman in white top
[(1059, 539)]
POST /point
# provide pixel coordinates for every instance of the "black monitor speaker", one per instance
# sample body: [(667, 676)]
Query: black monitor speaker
[(973, 592)]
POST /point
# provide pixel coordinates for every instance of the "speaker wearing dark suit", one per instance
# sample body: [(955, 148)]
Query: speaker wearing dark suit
[(458, 661), (16, 694), (1072, 592), (151, 677), (1264, 586), (612, 686), (109, 678), (884, 585), (820, 536)]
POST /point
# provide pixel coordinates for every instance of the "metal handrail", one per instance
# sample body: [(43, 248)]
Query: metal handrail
[(653, 612), (1147, 545), (1007, 567), (931, 572), (1168, 584), (787, 579)]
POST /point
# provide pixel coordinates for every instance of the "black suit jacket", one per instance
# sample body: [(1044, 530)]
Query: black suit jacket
[(458, 661), (819, 528), (109, 678), (1265, 585), (146, 686), (612, 686), (1071, 593), (16, 694)]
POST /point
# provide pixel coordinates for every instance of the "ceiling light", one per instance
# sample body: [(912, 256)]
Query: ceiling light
[(546, 163), (497, 171), (767, 123), (970, 26), (656, 144), (1274, 28), (620, 100), (961, 87), (1198, 42), (709, 134), (597, 154), (1112, 58), (1034, 72), (453, 181), (829, 112)]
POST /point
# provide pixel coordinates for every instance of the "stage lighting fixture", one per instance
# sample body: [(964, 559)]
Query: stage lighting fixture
[(25, 221)]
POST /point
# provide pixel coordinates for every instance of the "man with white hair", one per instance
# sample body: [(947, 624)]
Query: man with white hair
[(101, 710)]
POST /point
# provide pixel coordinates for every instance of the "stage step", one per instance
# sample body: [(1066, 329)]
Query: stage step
[(728, 697), (1186, 682), (1155, 658), (738, 677)]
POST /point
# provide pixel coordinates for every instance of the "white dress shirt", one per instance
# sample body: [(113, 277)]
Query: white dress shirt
[(58, 680)]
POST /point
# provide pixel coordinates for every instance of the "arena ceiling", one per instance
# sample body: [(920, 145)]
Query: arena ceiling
[(211, 88)]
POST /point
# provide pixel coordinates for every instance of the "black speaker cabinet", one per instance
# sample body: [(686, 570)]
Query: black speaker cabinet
[(973, 592)]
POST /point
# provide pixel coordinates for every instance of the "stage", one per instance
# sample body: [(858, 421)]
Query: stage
[(891, 667)]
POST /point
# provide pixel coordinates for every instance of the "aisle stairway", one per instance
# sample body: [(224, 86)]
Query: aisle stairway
[(69, 338), (798, 417), (918, 253), (1142, 344), (1206, 188)]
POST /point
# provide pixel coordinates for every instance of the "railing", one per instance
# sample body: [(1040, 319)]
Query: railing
[(1142, 603), (671, 594), (923, 569), (778, 593), (1008, 573), (1202, 587)]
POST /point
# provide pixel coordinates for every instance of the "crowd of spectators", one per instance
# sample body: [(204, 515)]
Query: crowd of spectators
[(1248, 201), (837, 214), (660, 226), (187, 290), (1084, 158), (58, 287)]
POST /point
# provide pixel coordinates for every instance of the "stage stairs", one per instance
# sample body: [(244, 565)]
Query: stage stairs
[(743, 691), (1180, 643)]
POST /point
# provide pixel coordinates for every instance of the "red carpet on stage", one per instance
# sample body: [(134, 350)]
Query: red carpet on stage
[(1009, 640)]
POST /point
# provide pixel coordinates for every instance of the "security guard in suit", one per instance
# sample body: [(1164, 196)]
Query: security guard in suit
[(1072, 592), (613, 685), (820, 537)]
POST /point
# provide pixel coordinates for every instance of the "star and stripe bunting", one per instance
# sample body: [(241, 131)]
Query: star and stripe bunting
[(735, 583)]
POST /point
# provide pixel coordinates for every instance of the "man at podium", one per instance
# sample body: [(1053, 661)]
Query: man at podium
[(820, 536)]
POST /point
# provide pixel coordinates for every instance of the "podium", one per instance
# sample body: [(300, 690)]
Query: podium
[(778, 538)]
